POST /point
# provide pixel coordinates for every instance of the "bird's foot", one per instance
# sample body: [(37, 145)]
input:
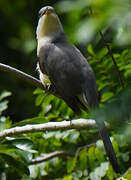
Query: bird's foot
[(49, 88)]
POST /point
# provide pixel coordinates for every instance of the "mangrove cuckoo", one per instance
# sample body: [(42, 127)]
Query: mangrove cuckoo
[(68, 71)]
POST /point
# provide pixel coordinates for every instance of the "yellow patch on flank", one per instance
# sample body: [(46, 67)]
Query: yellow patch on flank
[(43, 77)]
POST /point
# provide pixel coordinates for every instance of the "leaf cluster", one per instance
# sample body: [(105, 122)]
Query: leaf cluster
[(87, 160)]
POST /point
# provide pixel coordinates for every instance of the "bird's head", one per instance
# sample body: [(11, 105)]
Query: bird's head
[(46, 11), (49, 23)]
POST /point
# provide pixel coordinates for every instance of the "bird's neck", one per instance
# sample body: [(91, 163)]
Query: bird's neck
[(48, 26), (49, 30)]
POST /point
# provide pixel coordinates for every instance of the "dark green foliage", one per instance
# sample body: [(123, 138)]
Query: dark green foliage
[(18, 47)]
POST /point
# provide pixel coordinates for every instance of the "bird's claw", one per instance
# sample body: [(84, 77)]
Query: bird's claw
[(49, 88)]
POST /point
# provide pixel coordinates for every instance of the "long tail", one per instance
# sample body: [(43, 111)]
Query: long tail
[(75, 105), (109, 149)]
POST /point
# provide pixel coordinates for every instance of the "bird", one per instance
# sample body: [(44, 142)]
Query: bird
[(65, 69)]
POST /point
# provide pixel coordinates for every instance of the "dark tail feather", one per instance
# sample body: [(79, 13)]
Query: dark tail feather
[(108, 145), (109, 150), (75, 104)]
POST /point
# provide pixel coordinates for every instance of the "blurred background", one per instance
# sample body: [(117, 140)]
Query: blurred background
[(18, 40), (82, 21)]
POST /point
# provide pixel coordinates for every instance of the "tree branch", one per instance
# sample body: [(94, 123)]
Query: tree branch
[(22, 75), (53, 126), (28, 78), (51, 155)]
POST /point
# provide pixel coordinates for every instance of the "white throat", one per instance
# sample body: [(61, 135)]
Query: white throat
[(48, 27)]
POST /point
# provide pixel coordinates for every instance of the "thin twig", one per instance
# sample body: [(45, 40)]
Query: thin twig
[(51, 155), (111, 55), (74, 124), (113, 59), (45, 157)]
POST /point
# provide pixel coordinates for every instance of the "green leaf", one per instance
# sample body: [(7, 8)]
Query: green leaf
[(24, 155), (47, 100), (106, 96), (110, 173), (34, 171), (71, 164), (23, 144), (94, 176), (7, 148), (115, 146), (102, 85), (5, 123), (70, 135), (39, 99), (35, 120), (74, 135), (127, 175), (18, 166), (48, 135), (83, 158), (127, 72), (3, 106), (90, 49), (4, 94), (91, 157), (100, 171), (125, 157), (99, 155), (102, 53), (100, 146), (120, 139), (59, 135), (38, 170), (67, 177), (37, 91)]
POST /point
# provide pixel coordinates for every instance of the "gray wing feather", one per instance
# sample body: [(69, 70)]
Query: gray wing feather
[(68, 71)]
